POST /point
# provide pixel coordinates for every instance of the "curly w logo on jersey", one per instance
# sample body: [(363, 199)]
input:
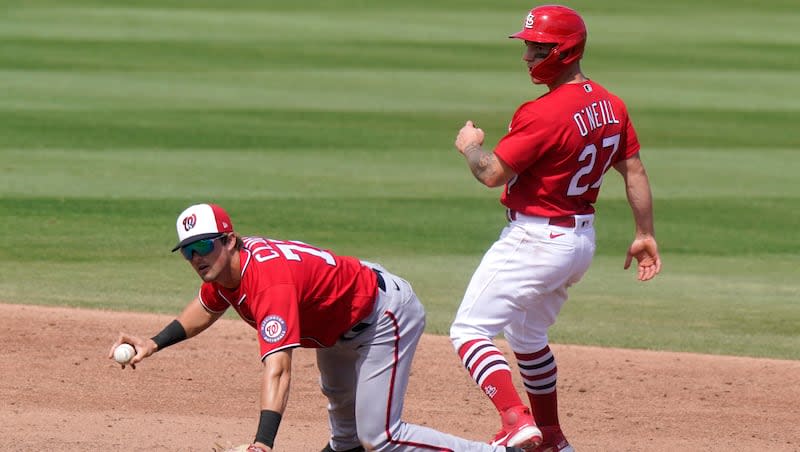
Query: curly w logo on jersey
[(273, 328), (189, 222)]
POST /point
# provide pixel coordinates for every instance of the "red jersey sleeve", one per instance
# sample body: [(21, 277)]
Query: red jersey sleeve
[(212, 300), (277, 316), (632, 145), (524, 142)]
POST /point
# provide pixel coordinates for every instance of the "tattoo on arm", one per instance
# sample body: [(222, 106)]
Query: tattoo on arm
[(479, 161)]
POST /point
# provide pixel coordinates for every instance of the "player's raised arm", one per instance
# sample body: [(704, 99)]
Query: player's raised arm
[(485, 166)]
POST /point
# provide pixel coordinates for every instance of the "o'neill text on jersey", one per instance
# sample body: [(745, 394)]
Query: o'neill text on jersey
[(596, 114)]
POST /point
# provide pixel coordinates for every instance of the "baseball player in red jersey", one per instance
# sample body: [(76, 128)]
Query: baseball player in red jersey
[(552, 162), (364, 322)]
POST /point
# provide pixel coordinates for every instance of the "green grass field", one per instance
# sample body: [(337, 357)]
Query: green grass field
[(333, 123)]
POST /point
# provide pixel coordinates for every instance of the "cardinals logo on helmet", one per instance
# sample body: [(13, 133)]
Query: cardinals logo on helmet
[(529, 21)]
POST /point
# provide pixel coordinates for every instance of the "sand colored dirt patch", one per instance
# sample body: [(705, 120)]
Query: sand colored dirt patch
[(59, 391)]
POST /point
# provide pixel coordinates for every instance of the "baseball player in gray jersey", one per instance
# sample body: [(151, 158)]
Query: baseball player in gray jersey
[(364, 322)]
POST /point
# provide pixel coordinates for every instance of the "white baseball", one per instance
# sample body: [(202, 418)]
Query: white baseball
[(123, 353)]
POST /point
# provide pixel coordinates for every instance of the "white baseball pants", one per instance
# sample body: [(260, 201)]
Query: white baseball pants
[(521, 284)]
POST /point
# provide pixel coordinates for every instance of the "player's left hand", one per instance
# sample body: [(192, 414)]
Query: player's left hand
[(469, 134), (645, 250)]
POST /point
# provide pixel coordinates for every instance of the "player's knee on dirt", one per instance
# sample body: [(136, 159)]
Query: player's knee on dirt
[(376, 442)]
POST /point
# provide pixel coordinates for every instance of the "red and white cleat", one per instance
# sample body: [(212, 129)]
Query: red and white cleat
[(519, 429)]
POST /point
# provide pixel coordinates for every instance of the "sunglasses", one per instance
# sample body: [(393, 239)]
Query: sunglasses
[(201, 247)]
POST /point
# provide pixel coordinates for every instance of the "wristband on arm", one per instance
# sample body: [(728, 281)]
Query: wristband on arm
[(171, 334), (268, 427)]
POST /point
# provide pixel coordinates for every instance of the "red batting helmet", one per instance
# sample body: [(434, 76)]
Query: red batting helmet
[(559, 25)]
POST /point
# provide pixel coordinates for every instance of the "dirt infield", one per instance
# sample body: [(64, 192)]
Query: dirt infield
[(59, 392)]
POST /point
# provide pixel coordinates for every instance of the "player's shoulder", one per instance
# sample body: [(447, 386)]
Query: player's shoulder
[(263, 268), (529, 110), (254, 241), (604, 91), (545, 105)]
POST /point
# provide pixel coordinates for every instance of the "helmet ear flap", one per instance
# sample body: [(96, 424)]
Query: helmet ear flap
[(565, 54)]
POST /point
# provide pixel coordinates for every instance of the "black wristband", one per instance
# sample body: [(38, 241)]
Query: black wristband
[(171, 334), (268, 427)]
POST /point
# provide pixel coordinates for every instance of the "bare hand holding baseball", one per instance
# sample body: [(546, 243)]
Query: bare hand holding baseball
[(469, 134), (143, 347), (645, 250)]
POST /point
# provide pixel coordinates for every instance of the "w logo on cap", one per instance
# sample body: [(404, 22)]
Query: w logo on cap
[(189, 222)]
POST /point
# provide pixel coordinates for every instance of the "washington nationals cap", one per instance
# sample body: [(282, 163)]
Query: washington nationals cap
[(201, 221)]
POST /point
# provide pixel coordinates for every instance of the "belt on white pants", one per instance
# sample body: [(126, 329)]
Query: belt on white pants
[(566, 221)]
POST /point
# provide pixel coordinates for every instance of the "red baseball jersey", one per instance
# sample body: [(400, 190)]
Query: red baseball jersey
[(294, 294), (560, 146)]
